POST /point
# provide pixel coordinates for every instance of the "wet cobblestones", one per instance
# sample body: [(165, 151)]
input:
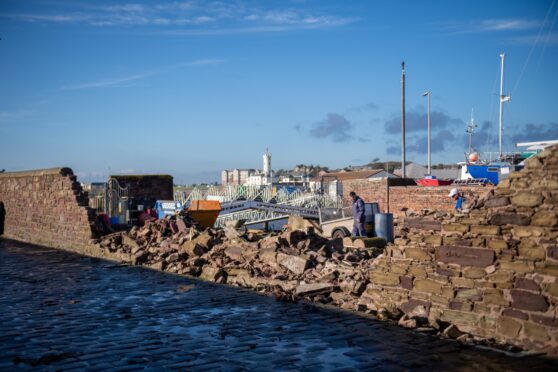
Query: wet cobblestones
[(61, 311)]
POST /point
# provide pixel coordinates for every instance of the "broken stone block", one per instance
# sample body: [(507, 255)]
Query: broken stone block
[(234, 253), (193, 248), (158, 265), (313, 288), (295, 264)]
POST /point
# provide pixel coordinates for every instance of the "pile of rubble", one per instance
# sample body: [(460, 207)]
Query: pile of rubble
[(295, 263)]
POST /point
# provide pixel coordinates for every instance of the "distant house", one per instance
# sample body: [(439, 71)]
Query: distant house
[(414, 170), (333, 183)]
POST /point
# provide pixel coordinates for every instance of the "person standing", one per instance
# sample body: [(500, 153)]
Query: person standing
[(358, 214)]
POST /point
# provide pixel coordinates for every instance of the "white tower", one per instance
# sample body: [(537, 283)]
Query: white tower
[(267, 164)]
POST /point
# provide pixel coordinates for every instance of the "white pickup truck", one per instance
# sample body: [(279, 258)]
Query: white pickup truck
[(338, 223)]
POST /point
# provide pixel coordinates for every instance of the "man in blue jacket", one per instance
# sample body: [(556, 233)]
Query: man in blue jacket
[(358, 214)]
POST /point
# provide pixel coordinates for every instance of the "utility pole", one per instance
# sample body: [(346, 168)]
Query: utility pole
[(403, 175), (427, 93), (503, 98)]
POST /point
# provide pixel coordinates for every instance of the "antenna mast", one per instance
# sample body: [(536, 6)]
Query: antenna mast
[(503, 98), (470, 131)]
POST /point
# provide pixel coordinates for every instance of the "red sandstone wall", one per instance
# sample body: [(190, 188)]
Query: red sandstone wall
[(491, 272), (46, 207), (402, 198)]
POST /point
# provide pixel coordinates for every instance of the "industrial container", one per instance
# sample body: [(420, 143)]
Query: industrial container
[(383, 223), (205, 212)]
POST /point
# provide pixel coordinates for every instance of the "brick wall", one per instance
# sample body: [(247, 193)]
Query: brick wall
[(156, 187), (46, 207), (411, 197), (492, 272)]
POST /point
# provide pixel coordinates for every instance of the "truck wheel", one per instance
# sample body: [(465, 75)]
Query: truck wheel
[(339, 233)]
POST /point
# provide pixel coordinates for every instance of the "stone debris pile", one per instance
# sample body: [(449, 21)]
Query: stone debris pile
[(295, 263)]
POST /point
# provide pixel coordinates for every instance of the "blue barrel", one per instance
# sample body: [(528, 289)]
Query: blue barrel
[(383, 223)]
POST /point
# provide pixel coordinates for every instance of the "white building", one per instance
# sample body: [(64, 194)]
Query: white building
[(250, 176)]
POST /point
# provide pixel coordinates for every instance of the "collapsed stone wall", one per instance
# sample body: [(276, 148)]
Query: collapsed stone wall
[(492, 272), (402, 198), (46, 207)]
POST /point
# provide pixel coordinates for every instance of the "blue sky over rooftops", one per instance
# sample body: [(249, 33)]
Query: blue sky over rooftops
[(193, 87)]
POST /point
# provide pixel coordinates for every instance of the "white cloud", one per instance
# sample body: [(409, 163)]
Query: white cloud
[(493, 25), (218, 17), (119, 82)]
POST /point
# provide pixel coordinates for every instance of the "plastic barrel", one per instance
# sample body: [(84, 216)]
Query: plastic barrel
[(383, 223)]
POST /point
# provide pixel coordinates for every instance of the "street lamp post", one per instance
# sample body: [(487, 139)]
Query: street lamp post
[(427, 94)]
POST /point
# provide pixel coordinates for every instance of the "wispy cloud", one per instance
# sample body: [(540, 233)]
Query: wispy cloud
[(193, 17), (120, 81), (14, 116), (335, 126), (493, 25)]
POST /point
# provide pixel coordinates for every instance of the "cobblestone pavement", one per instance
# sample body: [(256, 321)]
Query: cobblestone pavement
[(61, 311)]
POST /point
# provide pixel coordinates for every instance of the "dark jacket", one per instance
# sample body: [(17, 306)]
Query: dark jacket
[(358, 209)]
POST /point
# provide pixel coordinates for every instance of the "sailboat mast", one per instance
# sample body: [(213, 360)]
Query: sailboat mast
[(501, 98)]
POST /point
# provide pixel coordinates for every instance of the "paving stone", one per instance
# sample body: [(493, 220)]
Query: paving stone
[(133, 318)]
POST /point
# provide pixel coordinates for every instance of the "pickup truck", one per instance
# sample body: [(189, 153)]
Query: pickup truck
[(338, 223)]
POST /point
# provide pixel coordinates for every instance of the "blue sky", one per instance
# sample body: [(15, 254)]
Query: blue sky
[(192, 87)]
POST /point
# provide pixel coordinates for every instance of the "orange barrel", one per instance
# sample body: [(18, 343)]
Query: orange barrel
[(205, 212)]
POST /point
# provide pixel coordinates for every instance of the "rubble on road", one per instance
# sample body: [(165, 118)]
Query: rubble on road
[(296, 263)]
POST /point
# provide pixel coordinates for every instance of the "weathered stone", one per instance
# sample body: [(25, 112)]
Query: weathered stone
[(460, 317), (452, 331), (454, 227), (535, 332), (460, 305), (462, 282), (158, 265), (517, 265), (353, 286), (472, 294), (192, 248), (494, 297), (509, 327), (140, 257), (126, 240), (410, 306), (528, 301), (545, 218), (313, 288), (417, 254), (406, 282), (545, 320), (234, 253), (465, 256), (211, 273), (422, 224), (485, 230), (474, 273), (427, 285), (552, 289), (445, 272), (510, 219), (382, 278), (295, 264), (529, 284), (527, 199), (497, 202), (532, 250), (496, 244), (417, 272), (552, 252), (433, 240), (515, 314)]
